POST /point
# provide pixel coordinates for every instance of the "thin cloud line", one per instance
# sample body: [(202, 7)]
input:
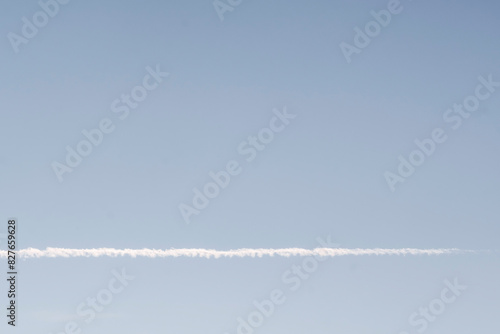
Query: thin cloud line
[(51, 252)]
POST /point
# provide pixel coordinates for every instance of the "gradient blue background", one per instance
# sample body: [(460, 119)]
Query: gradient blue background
[(322, 176)]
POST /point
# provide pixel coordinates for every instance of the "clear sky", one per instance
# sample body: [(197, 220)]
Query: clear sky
[(322, 173)]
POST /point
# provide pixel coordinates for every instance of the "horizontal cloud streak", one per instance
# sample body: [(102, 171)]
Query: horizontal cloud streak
[(243, 252)]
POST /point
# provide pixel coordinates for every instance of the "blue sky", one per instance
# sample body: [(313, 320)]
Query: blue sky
[(323, 175)]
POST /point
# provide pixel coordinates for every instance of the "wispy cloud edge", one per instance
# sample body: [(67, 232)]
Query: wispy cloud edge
[(51, 252)]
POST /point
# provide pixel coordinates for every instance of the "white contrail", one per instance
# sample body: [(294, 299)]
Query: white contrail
[(242, 252)]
